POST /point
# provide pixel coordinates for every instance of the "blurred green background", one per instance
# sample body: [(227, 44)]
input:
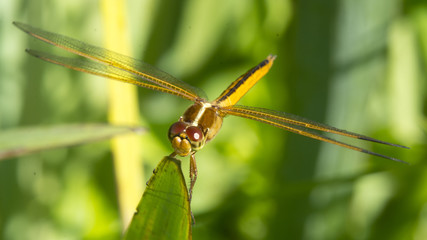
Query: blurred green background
[(358, 65)]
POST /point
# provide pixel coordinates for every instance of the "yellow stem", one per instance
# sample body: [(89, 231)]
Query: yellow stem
[(123, 110)]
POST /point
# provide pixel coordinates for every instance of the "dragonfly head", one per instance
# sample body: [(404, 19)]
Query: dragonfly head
[(185, 138)]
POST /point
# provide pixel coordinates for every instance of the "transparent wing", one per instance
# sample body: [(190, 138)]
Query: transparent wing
[(302, 126), (106, 63), (99, 69)]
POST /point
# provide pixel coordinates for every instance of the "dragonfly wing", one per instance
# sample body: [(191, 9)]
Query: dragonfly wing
[(147, 74), (97, 68), (302, 126)]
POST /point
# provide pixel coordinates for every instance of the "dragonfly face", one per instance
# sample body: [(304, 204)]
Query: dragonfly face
[(202, 121), (199, 124)]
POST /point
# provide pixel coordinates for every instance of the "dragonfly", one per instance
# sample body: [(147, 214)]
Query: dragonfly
[(201, 122)]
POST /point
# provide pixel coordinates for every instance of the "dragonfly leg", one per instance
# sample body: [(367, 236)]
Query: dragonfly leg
[(193, 175)]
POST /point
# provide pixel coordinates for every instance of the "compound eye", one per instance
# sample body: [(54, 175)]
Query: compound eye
[(194, 134), (177, 128)]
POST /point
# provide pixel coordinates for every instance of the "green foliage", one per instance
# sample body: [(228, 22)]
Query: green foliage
[(357, 65), (164, 210)]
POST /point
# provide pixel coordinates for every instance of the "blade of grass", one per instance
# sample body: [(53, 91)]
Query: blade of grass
[(164, 210), (25, 140)]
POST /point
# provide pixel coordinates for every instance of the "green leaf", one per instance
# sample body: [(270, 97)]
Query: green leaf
[(25, 140), (164, 210)]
